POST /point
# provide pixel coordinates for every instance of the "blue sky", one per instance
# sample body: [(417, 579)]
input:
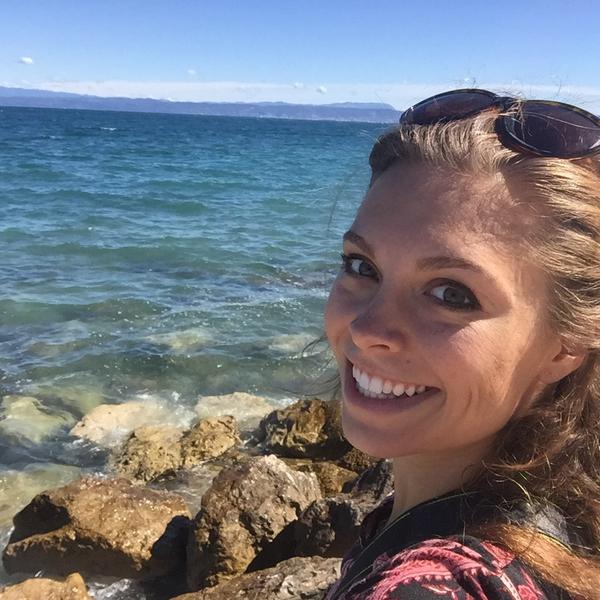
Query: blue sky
[(302, 51)]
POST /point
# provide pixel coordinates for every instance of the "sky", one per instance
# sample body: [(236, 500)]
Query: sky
[(303, 51)]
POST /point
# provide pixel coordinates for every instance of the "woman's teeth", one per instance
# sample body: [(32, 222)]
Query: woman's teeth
[(375, 387)]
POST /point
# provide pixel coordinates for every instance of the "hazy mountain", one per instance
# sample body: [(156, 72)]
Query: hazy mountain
[(344, 111)]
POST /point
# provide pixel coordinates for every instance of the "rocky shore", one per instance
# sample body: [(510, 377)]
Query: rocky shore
[(284, 506)]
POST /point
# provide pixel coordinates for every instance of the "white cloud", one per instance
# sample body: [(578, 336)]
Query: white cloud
[(322, 89), (26, 60), (191, 71), (298, 85), (399, 95)]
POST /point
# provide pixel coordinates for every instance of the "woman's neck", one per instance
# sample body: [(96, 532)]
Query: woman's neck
[(421, 477)]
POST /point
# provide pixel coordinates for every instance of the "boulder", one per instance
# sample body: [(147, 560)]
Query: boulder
[(247, 409), (72, 588), (296, 578), (329, 526), (150, 453), (99, 527), (207, 439), (110, 424), (27, 417), (307, 428), (245, 508)]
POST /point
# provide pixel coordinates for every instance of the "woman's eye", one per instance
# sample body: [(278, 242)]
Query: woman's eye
[(357, 266), (455, 296)]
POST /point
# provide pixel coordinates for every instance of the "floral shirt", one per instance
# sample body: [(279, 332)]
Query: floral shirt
[(449, 568)]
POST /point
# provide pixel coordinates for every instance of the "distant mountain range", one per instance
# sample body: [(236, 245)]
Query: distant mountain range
[(345, 111)]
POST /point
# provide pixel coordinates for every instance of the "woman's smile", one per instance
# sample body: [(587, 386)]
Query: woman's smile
[(360, 392)]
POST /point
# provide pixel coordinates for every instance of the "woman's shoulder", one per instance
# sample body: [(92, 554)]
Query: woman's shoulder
[(459, 567)]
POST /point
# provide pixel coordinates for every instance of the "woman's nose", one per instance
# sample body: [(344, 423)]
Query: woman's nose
[(379, 325)]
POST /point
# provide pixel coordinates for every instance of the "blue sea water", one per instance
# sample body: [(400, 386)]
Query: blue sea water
[(166, 255)]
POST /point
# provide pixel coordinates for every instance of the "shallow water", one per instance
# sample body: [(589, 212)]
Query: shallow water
[(159, 257)]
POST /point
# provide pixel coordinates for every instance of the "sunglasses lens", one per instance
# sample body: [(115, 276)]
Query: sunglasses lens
[(450, 106), (554, 130)]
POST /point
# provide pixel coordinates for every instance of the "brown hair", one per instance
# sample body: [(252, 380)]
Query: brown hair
[(551, 454)]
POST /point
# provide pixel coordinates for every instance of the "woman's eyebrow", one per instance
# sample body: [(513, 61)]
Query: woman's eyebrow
[(449, 262), (430, 263), (358, 240)]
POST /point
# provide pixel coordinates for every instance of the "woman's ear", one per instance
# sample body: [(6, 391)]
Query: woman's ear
[(566, 360)]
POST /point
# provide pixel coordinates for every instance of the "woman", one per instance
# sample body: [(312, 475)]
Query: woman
[(465, 323)]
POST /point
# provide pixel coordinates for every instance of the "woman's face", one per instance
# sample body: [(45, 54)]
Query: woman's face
[(437, 317)]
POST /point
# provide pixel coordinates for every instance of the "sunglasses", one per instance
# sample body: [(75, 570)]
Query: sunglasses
[(539, 127)]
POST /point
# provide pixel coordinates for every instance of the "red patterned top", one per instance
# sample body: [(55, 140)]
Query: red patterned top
[(451, 568)]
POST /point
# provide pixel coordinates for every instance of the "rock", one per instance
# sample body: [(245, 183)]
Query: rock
[(329, 526), (99, 527), (357, 461), (150, 453), (72, 588), (79, 392), (208, 438), (109, 424), (184, 340), (332, 478), (307, 428), (27, 417), (247, 409), (245, 508), (17, 488), (296, 578)]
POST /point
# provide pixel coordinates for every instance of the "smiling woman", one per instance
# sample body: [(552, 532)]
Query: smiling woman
[(465, 322)]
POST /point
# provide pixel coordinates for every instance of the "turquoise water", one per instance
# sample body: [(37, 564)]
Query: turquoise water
[(163, 256)]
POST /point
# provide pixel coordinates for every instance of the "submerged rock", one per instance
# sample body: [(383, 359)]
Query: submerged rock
[(296, 578), (79, 392), (307, 428), (245, 508), (150, 453), (208, 438), (27, 417), (72, 588), (247, 409), (102, 527), (17, 488)]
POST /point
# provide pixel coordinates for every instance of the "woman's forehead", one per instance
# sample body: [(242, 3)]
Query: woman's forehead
[(442, 202)]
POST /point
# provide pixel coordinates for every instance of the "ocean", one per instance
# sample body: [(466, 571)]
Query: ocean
[(160, 258)]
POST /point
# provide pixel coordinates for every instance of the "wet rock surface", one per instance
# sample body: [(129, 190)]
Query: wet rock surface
[(109, 424), (104, 527), (72, 588), (247, 409), (293, 579), (245, 509)]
